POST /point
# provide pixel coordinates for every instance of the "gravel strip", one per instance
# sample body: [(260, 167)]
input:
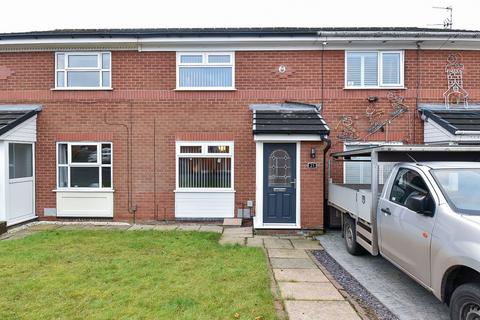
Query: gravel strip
[(373, 307)]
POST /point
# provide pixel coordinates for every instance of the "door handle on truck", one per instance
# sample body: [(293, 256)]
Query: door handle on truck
[(386, 211)]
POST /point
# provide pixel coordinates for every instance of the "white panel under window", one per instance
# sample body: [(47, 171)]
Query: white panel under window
[(391, 68), (205, 70)]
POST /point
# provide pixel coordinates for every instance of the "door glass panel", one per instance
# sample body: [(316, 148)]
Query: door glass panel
[(279, 169), (20, 160)]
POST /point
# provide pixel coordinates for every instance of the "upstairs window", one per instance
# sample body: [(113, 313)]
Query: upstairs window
[(83, 70), (374, 69), (205, 165), (205, 71)]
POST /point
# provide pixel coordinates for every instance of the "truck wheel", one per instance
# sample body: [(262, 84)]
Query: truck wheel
[(465, 302), (350, 234)]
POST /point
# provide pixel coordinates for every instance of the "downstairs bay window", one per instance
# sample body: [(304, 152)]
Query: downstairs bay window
[(204, 180), (204, 166), (84, 165)]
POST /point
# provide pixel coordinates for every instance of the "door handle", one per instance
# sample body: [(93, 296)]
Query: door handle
[(386, 211), (294, 182)]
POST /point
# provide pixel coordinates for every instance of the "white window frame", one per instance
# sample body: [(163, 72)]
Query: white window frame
[(67, 69), (98, 164), (380, 84), (205, 63), (205, 154)]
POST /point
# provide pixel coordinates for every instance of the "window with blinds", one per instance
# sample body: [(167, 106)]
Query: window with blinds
[(205, 71), (360, 172), (372, 69), (205, 165)]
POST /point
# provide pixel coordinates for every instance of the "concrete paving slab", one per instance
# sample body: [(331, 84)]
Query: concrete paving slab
[(274, 243), (287, 253), (216, 229), (43, 227), (309, 291), (238, 230), (320, 310), (236, 222), (255, 242), (288, 263), (306, 244), (299, 275), (186, 227)]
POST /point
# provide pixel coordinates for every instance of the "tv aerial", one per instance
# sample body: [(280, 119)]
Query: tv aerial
[(448, 22)]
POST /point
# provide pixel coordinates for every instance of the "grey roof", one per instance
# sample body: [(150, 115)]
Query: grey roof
[(12, 115), (455, 120), (240, 32), (288, 118)]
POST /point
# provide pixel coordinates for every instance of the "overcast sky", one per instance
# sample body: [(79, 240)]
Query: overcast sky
[(28, 15)]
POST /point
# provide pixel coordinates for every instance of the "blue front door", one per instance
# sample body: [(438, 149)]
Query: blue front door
[(279, 182)]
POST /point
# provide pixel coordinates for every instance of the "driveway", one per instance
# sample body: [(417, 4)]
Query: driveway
[(404, 297)]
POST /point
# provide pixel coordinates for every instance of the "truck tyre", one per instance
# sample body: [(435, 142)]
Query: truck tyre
[(350, 234), (465, 302)]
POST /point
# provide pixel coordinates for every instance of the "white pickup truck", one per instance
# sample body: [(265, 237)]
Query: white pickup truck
[(424, 218)]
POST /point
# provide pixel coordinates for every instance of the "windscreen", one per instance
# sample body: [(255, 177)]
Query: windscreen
[(461, 188)]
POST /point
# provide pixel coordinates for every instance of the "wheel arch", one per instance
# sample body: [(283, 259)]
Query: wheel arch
[(456, 276)]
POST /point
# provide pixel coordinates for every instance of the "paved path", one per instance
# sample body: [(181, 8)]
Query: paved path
[(306, 292), (403, 296)]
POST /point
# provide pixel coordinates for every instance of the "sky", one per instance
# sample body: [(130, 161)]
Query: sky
[(32, 15)]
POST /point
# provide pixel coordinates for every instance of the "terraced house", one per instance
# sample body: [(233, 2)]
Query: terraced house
[(165, 124)]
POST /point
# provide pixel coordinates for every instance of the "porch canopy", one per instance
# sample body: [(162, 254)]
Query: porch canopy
[(288, 118)]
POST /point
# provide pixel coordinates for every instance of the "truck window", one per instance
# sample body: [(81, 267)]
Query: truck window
[(407, 184)]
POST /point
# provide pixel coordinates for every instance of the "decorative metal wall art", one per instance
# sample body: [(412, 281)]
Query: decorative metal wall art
[(455, 94), (347, 130), (397, 104), (373, 115)]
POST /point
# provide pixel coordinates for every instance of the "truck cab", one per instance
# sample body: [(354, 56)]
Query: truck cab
[(425, 219)]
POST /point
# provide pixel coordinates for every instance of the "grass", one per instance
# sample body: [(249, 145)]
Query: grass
[(112, 274)]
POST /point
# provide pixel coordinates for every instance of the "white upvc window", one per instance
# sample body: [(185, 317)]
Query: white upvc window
[(83, 70), (205, 71), (204, 166), (360, 170), (374, 69), (84, 166)]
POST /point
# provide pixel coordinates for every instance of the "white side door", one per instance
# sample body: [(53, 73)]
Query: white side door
[(406, 234), (21, 182)]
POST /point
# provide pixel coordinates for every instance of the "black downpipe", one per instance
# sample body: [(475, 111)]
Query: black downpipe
[(325, 181)]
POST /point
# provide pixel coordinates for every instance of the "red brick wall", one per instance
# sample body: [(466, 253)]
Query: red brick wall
[(311, 180), (143, 85)]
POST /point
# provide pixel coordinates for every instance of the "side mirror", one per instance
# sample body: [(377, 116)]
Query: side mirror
[(419, 204)]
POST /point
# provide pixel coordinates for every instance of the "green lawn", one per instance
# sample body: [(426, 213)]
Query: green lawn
[(111, 274)]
